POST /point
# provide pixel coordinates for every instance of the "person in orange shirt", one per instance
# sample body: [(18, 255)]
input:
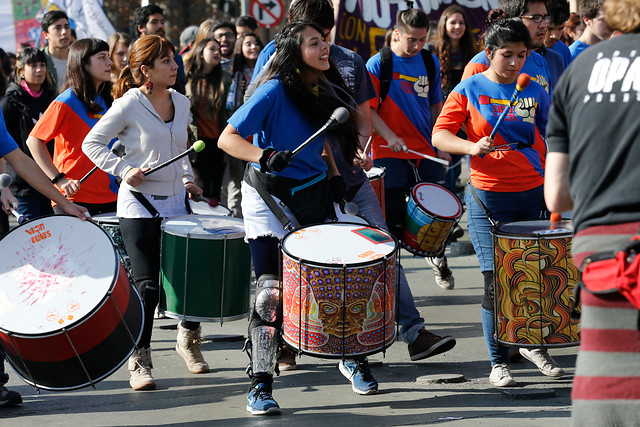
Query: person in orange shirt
[(68, 120)]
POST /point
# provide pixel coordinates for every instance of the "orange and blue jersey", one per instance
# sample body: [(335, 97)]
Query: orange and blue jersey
[(535, 65), (67, 122), (407, 107), (477, 102)]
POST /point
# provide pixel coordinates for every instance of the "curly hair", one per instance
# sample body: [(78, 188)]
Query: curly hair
[(442, 43), (622, 15), (288, 66)]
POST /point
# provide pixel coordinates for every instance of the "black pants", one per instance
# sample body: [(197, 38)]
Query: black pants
[(209, 166), (141, 237)]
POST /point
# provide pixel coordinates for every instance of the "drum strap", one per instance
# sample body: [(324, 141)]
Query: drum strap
[(253, 180), (484, 208), (144, 202)]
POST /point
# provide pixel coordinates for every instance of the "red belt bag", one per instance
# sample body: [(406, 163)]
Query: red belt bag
[(615, 271)]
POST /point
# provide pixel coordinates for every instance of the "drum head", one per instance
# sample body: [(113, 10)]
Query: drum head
[(203, 208), (210, 227), (375, 172), (437, 200), (535, 228), (50, 278), (107, 218), (338, 244)]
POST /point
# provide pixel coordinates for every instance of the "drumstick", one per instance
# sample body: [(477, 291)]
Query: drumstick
[(426, 156), (196, 147), (340, 115), (366, 146), (522, 82), (19, 217), (212, 202)]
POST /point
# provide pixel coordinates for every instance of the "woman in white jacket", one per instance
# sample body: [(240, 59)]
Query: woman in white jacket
[(150, 120)]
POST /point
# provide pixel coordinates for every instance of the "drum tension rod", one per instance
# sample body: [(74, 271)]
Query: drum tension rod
[(24, 365), (84, 368)]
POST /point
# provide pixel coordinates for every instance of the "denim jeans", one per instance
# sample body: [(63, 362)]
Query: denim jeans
[(34, 206), (503, 207), (408, 316)]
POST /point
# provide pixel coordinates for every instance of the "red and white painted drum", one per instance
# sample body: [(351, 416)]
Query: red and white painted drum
[(68, 315), (432, 213), (339, 289)]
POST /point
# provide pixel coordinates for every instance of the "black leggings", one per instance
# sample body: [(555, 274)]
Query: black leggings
[(141, 237)]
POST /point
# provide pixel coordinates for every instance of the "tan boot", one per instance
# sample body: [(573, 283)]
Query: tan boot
[(188, 347), (140, 369)]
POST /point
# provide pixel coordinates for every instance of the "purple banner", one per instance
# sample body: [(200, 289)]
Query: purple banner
[(362, 24)]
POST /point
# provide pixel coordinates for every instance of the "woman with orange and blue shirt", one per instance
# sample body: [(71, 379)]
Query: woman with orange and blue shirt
[(507, 172)]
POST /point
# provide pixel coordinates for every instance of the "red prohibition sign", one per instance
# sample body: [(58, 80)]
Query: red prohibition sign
[(267, 12)]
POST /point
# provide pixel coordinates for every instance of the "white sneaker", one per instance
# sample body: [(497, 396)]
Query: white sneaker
[(501, 376), (543, 361), (443, 275)]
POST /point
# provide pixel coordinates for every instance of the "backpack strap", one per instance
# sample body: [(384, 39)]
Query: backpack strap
[(386, 69)]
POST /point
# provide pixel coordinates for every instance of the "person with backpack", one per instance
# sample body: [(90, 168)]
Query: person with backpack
[(410, 99)]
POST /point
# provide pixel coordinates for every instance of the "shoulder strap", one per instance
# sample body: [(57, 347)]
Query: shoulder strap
[(429, 64), (386, 71)]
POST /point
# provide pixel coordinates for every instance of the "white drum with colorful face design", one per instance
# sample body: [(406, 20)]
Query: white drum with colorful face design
[(432, 213), (339, 289), (68, 315)]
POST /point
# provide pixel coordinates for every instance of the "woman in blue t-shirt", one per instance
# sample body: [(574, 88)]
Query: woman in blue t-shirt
[(298, 95)]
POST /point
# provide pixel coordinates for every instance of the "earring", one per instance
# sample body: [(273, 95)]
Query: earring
[(298, 70), (22, 76), (149, 86)]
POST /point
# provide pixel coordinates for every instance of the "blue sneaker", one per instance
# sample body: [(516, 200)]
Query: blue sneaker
[(357, 371), (260, 401)]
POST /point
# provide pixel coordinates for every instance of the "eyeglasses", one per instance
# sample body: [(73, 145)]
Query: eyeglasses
[(228, 35), (539, 18)]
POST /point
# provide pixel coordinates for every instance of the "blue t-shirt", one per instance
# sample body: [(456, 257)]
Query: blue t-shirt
[(564, 52), (7, 143), (576, 48), (555, 63), (535, 66), (407, 107), (274, 121)]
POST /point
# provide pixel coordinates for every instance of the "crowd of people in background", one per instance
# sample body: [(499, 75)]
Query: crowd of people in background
[(222, 84)]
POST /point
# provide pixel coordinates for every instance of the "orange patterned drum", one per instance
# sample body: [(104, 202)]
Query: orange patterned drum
[(534, 281), (339, 289)]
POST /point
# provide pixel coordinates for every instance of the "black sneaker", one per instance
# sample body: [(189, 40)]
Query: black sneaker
[(9, 398), (428, 345)]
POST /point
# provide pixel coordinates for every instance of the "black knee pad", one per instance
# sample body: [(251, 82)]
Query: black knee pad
[(488, 297)]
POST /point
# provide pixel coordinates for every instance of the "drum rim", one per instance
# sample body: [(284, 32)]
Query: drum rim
[(560, 233), (191, 201), (422, 208), (310, 263), (204, 236), (380, 169), (342, 356), (98, 304)]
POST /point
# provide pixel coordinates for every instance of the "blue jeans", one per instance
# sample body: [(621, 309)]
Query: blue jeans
[(408, 315), (34, 206), (503, 207)]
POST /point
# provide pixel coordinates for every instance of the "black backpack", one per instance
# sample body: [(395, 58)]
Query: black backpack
[(386, 69)]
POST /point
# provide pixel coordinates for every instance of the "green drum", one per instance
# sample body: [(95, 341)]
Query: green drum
[(205, 268)]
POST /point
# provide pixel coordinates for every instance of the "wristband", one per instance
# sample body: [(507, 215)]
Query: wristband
[(57, 177)]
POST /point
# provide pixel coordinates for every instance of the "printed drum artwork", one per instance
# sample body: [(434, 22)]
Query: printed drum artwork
[(432, 213), (534, 281), (339, 289), (205, 268), (110, 223), (68, 315)]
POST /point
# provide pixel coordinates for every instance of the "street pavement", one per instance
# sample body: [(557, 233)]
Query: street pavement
[(411, 393)]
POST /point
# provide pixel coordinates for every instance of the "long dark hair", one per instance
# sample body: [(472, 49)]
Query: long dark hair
[(332, 93), (443, 43), (78, 78), (144, 51), (210, 85), (239, 61), (31, 55)]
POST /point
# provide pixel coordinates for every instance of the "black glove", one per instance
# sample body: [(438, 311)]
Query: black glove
[(274, 161), (339, 190)]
